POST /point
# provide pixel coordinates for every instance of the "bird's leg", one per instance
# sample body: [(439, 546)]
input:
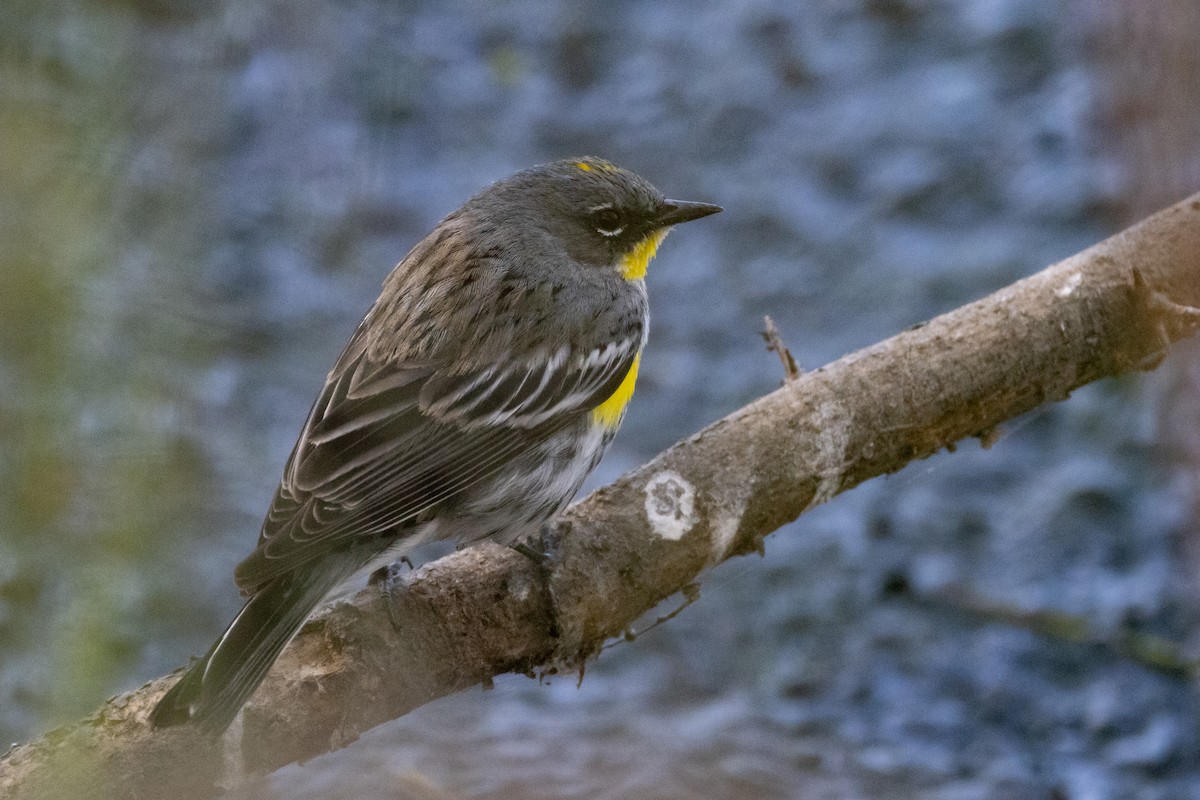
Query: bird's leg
[(389, 572), (387, 578), (539, 556), (536, 555)]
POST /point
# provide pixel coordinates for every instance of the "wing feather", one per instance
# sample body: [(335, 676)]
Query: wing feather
[(387, 443)]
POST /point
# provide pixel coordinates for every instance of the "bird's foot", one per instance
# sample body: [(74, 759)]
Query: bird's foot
[(387, 579), (539, 556)]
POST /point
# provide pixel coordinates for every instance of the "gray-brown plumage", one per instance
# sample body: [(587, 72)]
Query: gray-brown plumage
[(474, 398)]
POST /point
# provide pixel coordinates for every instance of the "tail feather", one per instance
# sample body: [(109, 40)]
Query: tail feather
[(214, 689)]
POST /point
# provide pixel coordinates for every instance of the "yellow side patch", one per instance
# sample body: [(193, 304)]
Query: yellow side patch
[(610, 412), (634, 263), (583, 165)]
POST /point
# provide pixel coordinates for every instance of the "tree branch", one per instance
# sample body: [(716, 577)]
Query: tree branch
[(476, 614)]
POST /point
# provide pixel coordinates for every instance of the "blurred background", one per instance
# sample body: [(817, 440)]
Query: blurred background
[(199, 201)]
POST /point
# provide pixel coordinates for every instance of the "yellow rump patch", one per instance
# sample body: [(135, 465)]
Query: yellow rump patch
[(634, 263), (610, 412)]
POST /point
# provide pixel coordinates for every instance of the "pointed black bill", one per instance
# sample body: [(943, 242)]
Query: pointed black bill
[(673, 212)]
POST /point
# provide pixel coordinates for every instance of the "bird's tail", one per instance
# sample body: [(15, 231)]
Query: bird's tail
[(214, 689)]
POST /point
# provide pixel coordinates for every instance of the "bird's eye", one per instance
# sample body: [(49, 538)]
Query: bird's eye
[(608, 221)]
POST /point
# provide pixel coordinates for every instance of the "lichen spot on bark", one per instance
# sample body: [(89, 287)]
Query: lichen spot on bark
[(670, 504)]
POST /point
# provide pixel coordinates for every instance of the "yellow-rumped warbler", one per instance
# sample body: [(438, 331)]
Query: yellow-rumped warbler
[(476, 395)]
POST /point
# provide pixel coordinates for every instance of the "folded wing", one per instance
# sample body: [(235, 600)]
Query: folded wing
[(387, 444)]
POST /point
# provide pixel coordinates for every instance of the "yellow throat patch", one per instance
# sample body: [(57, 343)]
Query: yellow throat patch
[(610, 412), (633, 264)]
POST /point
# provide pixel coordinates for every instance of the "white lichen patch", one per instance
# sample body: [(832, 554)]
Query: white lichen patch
[(1070, 285), (670, 505)]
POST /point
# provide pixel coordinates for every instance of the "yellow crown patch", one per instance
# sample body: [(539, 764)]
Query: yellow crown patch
[(598, 164)]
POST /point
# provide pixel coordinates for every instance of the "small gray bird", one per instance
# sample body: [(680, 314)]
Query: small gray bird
[(476, 395)]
